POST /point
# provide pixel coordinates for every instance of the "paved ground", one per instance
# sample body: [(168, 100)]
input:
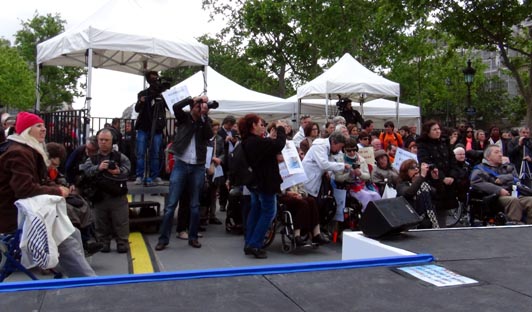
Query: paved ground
[(219, 250)]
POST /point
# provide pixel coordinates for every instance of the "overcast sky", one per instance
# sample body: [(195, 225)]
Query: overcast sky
[(112, 91)]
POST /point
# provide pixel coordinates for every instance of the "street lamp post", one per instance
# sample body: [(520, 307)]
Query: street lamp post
[(469, 74)]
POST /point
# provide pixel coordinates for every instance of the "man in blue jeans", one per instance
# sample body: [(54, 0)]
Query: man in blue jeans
[(190, 150), (150, 121)]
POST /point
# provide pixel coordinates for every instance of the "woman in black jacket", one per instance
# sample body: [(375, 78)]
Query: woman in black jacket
[(413, 186), (435, 151), (261, 154)]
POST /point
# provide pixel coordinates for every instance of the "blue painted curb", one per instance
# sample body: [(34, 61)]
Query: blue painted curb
[(213, 273)]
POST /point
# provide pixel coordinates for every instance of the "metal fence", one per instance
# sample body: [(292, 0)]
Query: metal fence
[(73, 127)]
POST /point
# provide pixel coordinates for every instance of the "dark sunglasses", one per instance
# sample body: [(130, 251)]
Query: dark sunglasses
[(347, 150), (366, 138)]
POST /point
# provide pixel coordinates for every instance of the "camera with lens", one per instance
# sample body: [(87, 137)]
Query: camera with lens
[(160, 85), (355, 166), (112, 165), (342, 104), (212, 105), (431, 167)]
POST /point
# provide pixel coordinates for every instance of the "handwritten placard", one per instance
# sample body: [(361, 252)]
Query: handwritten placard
[(368, 153), (402, 155)]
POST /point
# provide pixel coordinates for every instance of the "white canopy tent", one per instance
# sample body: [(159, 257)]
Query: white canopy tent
[(123, 36), (379, 111), (235, 99), (349, 78)]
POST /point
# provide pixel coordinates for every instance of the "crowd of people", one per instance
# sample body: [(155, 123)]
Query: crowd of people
[(346, 153)]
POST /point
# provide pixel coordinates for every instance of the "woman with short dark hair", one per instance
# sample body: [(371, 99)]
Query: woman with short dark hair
[(261, 154)]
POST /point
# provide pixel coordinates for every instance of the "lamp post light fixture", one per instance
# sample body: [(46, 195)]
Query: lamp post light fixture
[(469, 74)]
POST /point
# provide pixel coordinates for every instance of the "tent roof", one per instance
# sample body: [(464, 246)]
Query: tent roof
[(348, 78), (123, 37), (234, 98)]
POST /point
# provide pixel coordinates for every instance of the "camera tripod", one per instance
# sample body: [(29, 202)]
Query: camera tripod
[(525, 176)]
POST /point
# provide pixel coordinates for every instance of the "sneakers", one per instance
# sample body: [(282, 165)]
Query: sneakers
[(299, 241), (121, 247), (182, 235), (138, 181), (106, 247), (93, 247), (158, 181)]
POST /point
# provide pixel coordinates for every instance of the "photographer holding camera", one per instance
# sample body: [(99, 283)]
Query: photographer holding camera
[(194, 130), (346, 110), (519, 149), (150, 124), (109, 170)]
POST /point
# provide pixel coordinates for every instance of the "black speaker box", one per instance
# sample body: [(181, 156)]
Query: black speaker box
[(388, 216)]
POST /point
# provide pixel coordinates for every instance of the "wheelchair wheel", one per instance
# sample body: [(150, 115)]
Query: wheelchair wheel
[(454, 215), (287, 239), (270, 234), (3, 259)]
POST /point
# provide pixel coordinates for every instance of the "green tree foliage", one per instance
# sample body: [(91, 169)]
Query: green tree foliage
[(57, 85), (501, 25), (17, 86)]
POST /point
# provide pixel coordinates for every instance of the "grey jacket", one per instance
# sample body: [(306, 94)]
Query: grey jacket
[(484, 181)]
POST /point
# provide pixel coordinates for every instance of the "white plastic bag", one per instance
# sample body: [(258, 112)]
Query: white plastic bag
[(389, 192)]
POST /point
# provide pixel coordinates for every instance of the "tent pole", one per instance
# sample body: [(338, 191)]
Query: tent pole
[(397, 112), (298, 111), (205, 79), (37, 93), (326, 106), (89, 80)]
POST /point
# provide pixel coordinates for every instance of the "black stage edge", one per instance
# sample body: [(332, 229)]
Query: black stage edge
[(497, 257)]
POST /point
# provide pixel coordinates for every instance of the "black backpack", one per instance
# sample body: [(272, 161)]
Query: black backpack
[(240, 172)]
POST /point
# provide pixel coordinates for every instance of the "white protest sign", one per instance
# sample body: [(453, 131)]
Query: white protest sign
[(174, 95), (291, 158), (402, 155), (290, 179)]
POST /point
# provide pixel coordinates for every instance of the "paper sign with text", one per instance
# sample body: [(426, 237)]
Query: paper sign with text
[(402, 155)]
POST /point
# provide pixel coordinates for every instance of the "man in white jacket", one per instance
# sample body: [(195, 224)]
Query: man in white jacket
[(316, 161)]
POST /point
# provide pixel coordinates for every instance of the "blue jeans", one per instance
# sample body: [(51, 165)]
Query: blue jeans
[(193, 176), (260, 217), (142, 145)]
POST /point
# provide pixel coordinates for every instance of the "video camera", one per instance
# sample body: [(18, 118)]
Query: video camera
[(342, 103), (160, 85)]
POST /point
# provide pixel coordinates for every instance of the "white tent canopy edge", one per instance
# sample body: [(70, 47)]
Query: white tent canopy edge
[(115, 38), (348, 78)]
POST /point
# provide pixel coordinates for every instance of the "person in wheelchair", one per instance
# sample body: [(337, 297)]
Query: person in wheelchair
[(359, 179), (305, 215), (383, 171), (414, 187), (493, 176), (23, 174), (460, 172)]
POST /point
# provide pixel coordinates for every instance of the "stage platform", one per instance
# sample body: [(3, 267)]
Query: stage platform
[(497, 257)]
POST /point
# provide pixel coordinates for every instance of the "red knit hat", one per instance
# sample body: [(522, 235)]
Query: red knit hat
[(26, 120)]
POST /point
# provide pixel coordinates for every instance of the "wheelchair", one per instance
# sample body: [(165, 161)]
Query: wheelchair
[(283, 224), (10, 256), (478, 209)]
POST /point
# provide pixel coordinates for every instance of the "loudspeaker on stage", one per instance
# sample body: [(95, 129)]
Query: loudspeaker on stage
[(388, 216)]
